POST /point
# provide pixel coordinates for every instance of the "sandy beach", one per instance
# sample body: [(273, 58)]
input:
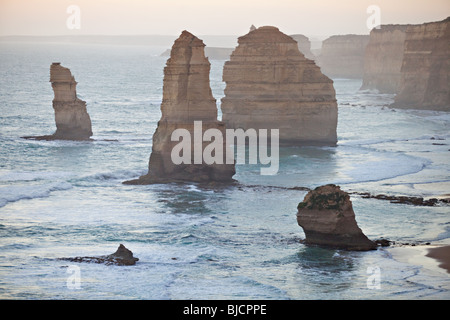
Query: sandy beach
[(442, 255), (434, 258)]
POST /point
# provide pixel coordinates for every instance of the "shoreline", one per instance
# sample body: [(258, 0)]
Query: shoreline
[(433, 258), (442, 255)]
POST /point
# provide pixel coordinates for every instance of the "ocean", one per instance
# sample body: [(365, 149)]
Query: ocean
[(66, 199)]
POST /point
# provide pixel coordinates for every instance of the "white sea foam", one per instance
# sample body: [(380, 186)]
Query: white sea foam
[(33, 175), (116, 175), (194, 188), (365, 142), (15, 193), (377, 166)]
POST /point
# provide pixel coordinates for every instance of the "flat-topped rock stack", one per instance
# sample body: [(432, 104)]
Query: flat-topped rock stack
[(271, 85)]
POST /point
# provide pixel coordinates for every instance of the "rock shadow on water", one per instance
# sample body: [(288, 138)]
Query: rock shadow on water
[(327, 268), (328, 260), (190, 198), (185, 202)]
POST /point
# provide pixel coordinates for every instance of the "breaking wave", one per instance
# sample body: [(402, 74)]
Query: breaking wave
[(15, 193)]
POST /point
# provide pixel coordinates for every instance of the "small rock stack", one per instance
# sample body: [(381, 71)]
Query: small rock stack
[(327, 218), (71, 117)]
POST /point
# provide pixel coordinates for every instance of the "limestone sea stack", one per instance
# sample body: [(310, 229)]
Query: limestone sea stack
[(327, 218), (383, 59), (71, 116), (271, 85), (187, 97), (342, 56), (425, 71)]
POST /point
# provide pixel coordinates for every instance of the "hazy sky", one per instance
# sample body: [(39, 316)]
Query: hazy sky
[(210, 17)]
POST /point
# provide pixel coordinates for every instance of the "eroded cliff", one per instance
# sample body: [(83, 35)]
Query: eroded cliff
[(383, 59), (342, 56), (425, 71)]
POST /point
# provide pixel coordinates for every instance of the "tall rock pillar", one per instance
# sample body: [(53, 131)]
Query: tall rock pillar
[(71, 117), (187, 98)]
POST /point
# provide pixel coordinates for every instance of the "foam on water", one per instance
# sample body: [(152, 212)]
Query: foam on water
[(368, 166), (15, 193), (9, 176)]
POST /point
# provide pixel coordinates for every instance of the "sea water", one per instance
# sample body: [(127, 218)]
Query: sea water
[(65, 199)]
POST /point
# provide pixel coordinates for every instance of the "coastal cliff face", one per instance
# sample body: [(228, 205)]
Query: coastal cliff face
[(425, 71), (383, 59), (71, 117), (271, 85), (327, 218), (187, 97), (342, 56)]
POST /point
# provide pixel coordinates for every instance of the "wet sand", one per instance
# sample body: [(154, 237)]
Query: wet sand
[(442, 255)]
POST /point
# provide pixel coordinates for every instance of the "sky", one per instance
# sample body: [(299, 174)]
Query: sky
[(209, 17)]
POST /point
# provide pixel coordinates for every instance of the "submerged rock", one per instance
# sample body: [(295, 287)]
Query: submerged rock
[(416, 201), (187, 97), (122, 257), (327, 218), (71, 116)]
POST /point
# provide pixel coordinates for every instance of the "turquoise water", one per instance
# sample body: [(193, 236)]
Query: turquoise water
[(64, 199)]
